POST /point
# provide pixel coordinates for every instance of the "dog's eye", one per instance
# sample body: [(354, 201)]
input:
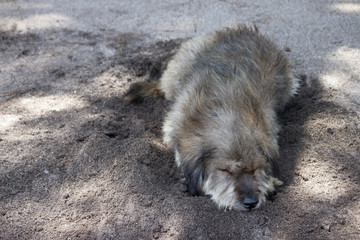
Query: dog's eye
[(225, 170)]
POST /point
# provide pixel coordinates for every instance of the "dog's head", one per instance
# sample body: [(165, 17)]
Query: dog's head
[(241, 183)]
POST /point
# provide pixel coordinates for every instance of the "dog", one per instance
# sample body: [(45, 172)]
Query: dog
[(226, 89)]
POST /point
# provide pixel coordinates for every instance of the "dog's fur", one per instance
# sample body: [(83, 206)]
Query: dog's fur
[(226, 88)]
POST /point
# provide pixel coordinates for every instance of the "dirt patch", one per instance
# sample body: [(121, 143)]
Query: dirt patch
[(78, 162)]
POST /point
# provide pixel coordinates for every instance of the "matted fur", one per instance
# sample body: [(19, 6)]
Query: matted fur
[(226, 88)]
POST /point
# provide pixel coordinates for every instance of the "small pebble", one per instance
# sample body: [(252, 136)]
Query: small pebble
[(326, 227), (183, 188), (46, 171)]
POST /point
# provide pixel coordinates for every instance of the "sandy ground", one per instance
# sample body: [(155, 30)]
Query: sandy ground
[(77, 162)]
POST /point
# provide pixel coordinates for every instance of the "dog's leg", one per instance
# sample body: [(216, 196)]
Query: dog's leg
[(141, 90)]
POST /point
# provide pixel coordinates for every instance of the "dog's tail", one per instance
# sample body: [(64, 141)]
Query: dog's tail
[(141, 90)]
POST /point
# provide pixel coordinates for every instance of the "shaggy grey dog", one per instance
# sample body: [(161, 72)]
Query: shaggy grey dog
[(226, 88)]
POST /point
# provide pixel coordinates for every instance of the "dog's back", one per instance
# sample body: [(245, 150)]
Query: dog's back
[(229, 72)]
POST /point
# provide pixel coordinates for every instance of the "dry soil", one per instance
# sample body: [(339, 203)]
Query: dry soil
[(78, 162)]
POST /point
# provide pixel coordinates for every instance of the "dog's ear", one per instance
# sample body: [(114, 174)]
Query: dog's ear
[(274, 167), (194, 179), (271, 153), (194, 170)]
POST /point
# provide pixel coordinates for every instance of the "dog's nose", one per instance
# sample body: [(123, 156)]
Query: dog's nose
[(250, 202)]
